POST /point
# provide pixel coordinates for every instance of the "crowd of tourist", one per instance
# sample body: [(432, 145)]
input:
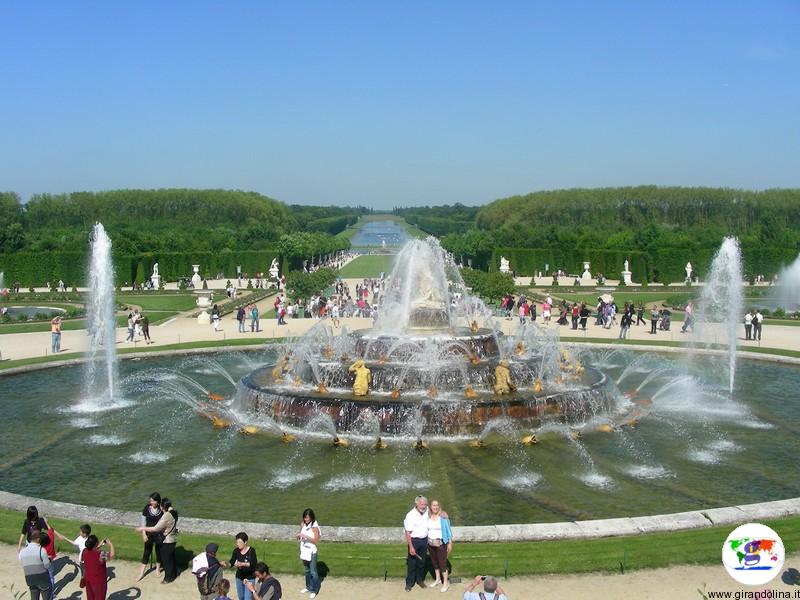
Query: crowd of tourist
[(427, 533), (608, 314)]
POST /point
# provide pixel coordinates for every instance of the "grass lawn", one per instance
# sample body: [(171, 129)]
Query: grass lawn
[(369, 265), (505, 559), (68, 325), (159, 302)]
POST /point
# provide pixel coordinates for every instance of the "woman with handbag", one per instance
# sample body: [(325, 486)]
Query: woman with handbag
[(309, 538), (166, 538), (440, 544), (151, 515)]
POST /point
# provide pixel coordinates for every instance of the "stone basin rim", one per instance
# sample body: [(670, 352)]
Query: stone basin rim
[(516, 532), (67, 362)]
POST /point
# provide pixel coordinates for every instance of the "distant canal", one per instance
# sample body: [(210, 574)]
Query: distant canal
[(375, 233)]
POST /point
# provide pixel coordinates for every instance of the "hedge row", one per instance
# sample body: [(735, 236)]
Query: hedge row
[(529, 261), (664, 265), (34, 269)]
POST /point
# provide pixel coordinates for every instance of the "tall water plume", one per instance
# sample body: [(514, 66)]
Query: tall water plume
[(721, 300), (789, 281), (417, 295), (101, 368)]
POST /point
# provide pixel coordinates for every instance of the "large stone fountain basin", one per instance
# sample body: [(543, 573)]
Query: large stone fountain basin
[(418, 414)]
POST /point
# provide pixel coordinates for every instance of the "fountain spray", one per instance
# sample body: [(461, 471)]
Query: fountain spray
[(101, 369), (721, 300)]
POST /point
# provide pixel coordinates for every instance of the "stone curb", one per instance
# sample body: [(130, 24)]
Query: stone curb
[(764, 356), (625, 526), (130, 355)]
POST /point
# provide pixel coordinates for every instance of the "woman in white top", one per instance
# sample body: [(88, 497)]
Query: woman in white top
[(309, 538), (440, 544)]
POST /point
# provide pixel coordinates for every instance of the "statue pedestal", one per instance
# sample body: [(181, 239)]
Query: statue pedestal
[(204, 300), (626, 277), (156, 281)]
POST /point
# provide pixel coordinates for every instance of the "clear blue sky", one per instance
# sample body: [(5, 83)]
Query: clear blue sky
[(398, 103)]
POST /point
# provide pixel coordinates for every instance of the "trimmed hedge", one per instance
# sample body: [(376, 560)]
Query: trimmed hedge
[(665, 265), (528, 261), (35, 268)]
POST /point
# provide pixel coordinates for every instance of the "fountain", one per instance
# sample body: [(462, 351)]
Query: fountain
[(435, 365), (721, 300), (789, 281), (101, 368)]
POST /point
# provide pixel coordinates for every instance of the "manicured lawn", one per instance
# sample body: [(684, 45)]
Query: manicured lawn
[(517, 558), (68, 325), (160, 302), (369, 265)]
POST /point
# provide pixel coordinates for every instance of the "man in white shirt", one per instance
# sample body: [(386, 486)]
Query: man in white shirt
[(416, 529), (758, 322)]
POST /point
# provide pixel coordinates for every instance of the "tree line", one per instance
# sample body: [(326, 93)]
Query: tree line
[(47, 237), (175, 220), (664, 226)]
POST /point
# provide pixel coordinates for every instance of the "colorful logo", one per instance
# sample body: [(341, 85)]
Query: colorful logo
[(753, 554)]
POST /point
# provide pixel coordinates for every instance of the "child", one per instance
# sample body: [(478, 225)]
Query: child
[(79, 542), (223, 588)]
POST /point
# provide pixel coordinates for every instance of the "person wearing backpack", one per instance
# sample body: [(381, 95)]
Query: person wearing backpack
[(208, 571), (35, 563), (491, 589), (240, 317)]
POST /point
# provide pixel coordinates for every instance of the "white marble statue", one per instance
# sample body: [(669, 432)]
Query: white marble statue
[(688, 271), (273, 269), (626, 273), (155, 278), (586, 275), (504, 265)]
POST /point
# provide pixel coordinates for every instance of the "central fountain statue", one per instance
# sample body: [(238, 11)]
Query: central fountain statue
[(361, 385), (435, 364)]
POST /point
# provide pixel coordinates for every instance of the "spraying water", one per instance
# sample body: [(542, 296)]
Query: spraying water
[(101, 369), (721, 301), (789, 279)]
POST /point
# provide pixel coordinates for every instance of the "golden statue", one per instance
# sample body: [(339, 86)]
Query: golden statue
[(363, 377), (502, 379), (327, 352), (519, 350), (470, 392), (281, 367), (395, 393), (537, 386), (474, 327), (322, 388)]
